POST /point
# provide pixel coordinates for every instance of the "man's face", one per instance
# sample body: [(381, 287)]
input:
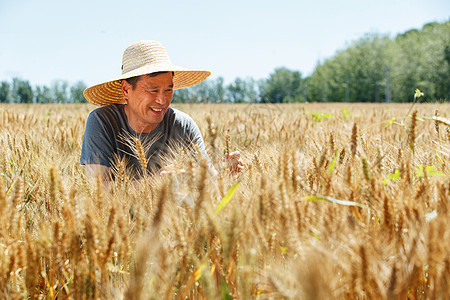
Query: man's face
[(148, 102)]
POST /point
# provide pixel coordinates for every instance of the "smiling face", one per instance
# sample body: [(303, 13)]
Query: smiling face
[(148, 101)]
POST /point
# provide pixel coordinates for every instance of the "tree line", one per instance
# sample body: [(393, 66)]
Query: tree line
[(374, 68), (59, 91), (281, 85), (377, 68)]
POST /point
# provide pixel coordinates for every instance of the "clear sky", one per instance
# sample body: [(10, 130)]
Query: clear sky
[(43, 40)]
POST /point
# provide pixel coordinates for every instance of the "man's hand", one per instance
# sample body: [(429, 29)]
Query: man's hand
[(234, 162), (171, 169)]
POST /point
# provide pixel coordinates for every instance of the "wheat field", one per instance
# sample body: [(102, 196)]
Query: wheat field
[(336, 201)]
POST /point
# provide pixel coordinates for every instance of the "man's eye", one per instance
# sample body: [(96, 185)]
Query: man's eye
[(169, 91)]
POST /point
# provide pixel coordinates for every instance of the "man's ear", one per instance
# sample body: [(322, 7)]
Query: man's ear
[(125, 88)]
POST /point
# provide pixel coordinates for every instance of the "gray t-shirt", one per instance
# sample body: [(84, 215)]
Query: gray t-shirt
[(107, 136)]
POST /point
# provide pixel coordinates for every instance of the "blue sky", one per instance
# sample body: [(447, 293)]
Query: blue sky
[(43, 40)]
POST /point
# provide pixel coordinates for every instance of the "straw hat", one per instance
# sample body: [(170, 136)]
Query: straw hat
[(142, 57)]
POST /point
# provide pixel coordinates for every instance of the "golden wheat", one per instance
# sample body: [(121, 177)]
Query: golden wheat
[(352, 205)]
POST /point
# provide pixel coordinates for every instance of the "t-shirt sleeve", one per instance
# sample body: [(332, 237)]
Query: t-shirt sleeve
[(195, 136), (97, 145)]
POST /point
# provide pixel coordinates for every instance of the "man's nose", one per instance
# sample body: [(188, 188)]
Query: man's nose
[(161, 98)]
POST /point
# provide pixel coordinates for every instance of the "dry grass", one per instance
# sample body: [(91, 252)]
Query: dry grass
[(329, 206)]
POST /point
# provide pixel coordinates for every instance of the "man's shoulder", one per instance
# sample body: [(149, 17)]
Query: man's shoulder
[(112, 113), (111, 117), (177, 116), (181, 123), (107, 110)]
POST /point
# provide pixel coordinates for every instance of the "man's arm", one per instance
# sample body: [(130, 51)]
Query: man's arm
[(92, 171), (98, 148)]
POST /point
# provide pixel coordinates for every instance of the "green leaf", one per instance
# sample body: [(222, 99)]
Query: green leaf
[(283, 249), (10, 188), (315, 233), (394, 177), (225, 291), (333, 200), (317, 116), (419, 171), (345, 113), (333, 163), (418, 94), (227, 197), (429, 169), (432, 172), (390, 122)]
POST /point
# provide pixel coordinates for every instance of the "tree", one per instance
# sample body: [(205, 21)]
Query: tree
[(236, 91), (218, 90), (4, 92), (375, 66), (354, 74), (58, 91), (182, 96), (420, 61), (42, 94), (251, 90), (284, 85), (76, 92), (203, 92), (21, 90), (261, 86)]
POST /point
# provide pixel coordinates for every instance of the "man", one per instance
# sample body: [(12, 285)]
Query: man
[(135, 114)]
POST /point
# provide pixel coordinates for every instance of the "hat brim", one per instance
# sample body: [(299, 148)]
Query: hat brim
[(111, 91)]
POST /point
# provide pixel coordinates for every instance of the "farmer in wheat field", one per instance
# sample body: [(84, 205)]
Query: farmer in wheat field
[(136, 105)]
